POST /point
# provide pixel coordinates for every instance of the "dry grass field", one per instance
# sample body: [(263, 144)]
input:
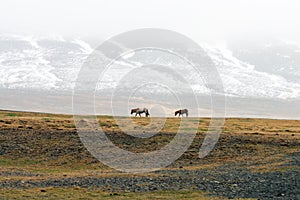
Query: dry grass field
[(41, 156)]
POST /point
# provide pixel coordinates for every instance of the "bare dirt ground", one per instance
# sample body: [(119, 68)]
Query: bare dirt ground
[(41, 156)]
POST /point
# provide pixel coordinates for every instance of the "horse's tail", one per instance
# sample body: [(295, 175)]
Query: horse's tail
[(147, 112)]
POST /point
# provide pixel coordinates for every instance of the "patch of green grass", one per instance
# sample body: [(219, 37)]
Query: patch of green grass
[(81, 193), (195, 120), (107, 117), (246, 120), (70, 126), (47, 119), (13, 115), (19, 162), (187, 129)]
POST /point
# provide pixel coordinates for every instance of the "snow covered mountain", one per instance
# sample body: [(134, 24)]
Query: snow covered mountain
[(241, 78), (272, 56), (52, 64), (42, 63)]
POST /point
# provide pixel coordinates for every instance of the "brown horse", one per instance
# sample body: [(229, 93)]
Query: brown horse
[(139, 111), (181, 112)]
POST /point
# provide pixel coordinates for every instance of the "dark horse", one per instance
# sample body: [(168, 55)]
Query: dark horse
[(181, 112), (139, 111)]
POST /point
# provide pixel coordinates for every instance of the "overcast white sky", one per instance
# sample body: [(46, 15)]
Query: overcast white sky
[(208, 20)]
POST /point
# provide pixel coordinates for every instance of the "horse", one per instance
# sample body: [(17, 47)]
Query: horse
[(139, 111), (181, 112)]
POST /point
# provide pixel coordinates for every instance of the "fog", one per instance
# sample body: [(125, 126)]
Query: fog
[(213, 21)]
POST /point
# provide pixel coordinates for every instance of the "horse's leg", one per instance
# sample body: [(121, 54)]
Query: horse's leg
[(136, 114)]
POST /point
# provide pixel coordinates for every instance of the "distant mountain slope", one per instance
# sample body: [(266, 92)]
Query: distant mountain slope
[(52, 63), (271, 56)]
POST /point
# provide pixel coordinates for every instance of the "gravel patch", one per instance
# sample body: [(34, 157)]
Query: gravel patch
[(222, 181)]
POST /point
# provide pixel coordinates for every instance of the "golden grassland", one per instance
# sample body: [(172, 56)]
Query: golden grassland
[(47, 144)]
